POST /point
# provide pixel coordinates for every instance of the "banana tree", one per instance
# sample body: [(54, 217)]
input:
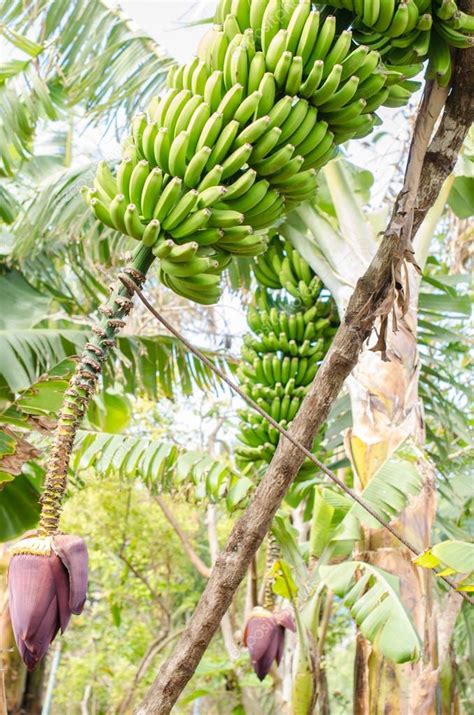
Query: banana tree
[(339, 243)]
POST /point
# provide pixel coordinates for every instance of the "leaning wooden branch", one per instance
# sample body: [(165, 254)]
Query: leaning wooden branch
[(458, 117), (367, 302)]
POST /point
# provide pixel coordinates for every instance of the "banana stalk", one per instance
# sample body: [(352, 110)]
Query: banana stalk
[(81, 389)]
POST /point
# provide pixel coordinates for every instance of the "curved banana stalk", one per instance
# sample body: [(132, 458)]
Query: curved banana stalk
[(81, 389)]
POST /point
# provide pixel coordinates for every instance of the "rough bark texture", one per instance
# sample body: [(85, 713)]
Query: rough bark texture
[(443, 151), (368, 301)]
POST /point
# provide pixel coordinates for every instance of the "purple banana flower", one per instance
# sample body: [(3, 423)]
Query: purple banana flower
[(264, 636), (47, 582)]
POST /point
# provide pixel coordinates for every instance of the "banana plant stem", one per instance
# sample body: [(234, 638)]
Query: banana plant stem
[(82, 387), (273, 554)]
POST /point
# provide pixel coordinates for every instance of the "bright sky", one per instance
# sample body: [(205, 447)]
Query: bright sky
[(165, 21)]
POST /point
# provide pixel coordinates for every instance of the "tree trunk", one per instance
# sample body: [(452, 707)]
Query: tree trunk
[(386, 411), (249, 702)]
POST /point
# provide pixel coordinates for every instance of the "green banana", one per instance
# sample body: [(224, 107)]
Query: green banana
[(241, 185), (223, 144), (196, 166), (181, 209), (117, 210), (273, 89), (236, 160), (193, 224), (231, 102), (168, 199), (161, 149), (151, 193), (265, 144), (151, 233), (133, 225), (177, 155), (247, 108), (211, 196), (137, 181)]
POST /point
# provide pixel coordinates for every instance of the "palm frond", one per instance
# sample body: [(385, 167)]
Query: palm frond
[(155, 366), (455, 558), (373, 598), (56, 214), (26, 354), (8, 205), (19, 504), (337, 520), (444, 347), (161, 465), (78, 55)]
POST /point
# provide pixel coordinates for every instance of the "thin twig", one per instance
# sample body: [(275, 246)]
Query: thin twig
[(155, 647), (153, 593), (329, 473), (196, 561)]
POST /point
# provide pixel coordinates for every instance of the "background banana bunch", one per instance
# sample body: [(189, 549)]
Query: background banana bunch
[(237, 140), (407, 32), (292, 320)]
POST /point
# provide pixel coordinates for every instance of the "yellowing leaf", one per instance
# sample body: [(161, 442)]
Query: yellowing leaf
[(426, 559), (283, 584)]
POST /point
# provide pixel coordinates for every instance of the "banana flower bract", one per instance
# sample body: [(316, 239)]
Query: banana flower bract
[(264, 636), (47, 582)]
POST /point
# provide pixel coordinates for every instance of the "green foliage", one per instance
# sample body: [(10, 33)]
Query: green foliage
[(444, 336), (19, 506), (337, 520), (374, 602), (161, 465), (141, 588), (27, 352), (154, 364), (461, 197), (8, 205), (78, 54), (283, 583), (455, 557)]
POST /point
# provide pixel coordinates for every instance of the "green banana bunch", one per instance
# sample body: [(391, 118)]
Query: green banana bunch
[(406, 32), (237, 140), (286, 49), (290, 334)]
